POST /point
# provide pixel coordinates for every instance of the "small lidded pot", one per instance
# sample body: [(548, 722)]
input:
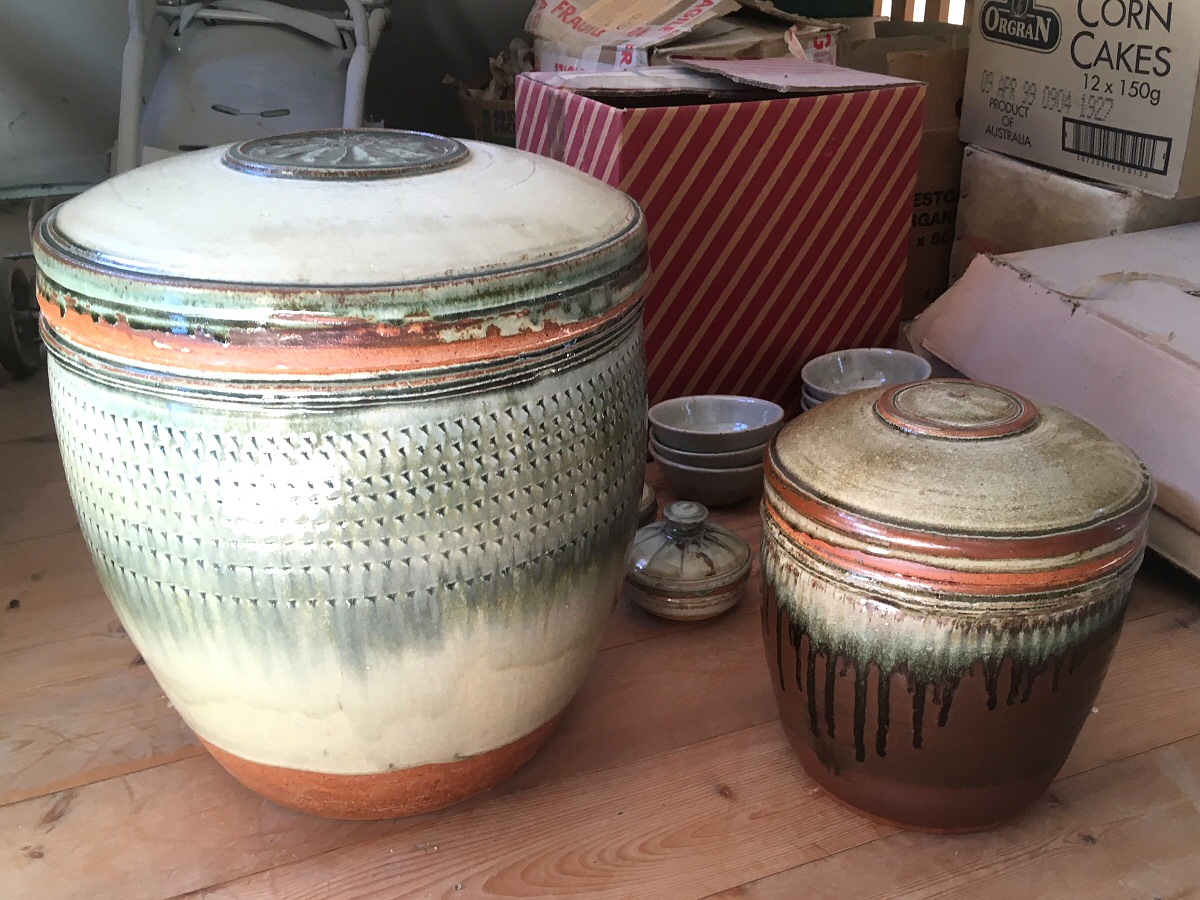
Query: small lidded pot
[(946, 568), (687, 568)]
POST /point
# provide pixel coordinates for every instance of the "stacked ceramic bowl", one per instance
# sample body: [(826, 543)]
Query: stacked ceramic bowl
[(846, 371), (710, 447)]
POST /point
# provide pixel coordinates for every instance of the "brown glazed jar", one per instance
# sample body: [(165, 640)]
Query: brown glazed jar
[(946, 569)]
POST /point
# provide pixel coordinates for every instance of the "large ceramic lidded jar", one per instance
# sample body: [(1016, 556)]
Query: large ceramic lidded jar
[(946, 569), (354, 426)]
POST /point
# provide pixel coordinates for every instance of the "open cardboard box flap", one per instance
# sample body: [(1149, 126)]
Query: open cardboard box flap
[(791, 76), (718, 79), (1108, 329), (655, 80)]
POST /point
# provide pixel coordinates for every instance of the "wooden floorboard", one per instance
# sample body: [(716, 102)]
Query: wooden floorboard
[(39, 572), (668, 777), (24, 407), (1129, 830)]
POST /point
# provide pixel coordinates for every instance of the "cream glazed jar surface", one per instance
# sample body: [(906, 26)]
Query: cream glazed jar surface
[(354, 425)]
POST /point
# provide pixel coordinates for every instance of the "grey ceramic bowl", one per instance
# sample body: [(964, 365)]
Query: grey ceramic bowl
[(713, 487), (846, 371), (732, 460), (714, 423)]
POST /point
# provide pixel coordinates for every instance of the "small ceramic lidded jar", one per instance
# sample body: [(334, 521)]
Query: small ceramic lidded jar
[(354, 424), (685, 567), (946, 568)]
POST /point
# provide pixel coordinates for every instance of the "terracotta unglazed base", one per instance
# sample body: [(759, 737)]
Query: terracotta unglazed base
[(386, 795)]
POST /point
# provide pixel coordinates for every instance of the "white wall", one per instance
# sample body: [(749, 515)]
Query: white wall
[(60, 75), (60, 71)]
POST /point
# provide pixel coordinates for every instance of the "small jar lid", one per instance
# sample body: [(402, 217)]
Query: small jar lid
[(685, 554), (960, 475)]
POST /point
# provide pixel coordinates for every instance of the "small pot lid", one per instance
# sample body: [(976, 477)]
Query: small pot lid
[(684, 553), (960, 459)]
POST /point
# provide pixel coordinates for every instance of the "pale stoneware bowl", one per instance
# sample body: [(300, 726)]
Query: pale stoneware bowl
[(732, 460), (713, 487), (714, 423), (846, 371)]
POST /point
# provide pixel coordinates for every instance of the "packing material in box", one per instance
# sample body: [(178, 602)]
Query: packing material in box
[(778, 195), (1106, 89), (1008, 205), (1109, 329), (602, 35)]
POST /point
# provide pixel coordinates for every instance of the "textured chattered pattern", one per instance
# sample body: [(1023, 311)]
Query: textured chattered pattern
[(371, 588)]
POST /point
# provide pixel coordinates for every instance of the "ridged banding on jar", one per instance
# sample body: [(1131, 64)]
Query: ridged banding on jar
[(179, 325), (934, 632), (828, 619), (970, 564), (368, 588), (300, 345), (280, 390)]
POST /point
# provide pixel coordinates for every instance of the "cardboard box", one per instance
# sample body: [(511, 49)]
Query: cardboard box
[(1008, 205), (936, 54), (1174, 541), (1106, 89), (777, 194), (1109, 329), (490, 119), (607, 35)]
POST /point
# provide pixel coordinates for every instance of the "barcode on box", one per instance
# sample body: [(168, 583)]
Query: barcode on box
[(1144, 152)]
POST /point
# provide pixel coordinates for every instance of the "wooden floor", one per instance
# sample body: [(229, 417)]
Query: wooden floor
[(669, 776)]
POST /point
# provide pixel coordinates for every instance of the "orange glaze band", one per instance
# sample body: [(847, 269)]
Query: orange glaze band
[(958, 546), (331, 347), (910, 574)]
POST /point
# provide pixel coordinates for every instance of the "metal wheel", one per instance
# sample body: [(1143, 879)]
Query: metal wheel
[(20, 346)]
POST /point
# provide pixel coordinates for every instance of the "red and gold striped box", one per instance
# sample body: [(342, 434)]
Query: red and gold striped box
[(779, 222)]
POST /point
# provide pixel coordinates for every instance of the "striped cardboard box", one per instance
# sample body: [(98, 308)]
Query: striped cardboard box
[(778, 227)]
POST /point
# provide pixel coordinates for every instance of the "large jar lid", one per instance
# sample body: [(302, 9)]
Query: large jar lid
[(960, 471), (685, 554), (412, 239)]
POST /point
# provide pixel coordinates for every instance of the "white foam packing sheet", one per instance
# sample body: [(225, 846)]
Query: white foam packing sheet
[(1108, 329)]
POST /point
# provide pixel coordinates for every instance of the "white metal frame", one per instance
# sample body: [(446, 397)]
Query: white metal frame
[(364, 25)]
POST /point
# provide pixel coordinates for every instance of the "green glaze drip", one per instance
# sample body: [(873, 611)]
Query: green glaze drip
[(344, 536)]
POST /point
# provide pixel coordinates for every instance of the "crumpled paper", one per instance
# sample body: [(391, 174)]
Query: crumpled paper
[(794, 42), (504, 68)]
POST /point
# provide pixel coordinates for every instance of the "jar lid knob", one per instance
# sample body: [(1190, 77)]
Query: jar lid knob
[(346, 154), (685, 517), (955, 408)]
